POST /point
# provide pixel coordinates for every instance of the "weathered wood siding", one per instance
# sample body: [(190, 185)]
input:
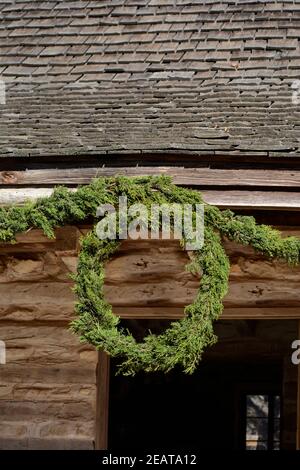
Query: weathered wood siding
[(48, 385), (151, 281), (273, 187)]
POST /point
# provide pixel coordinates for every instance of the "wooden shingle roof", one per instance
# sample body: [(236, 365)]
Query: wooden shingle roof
[(205, 77)]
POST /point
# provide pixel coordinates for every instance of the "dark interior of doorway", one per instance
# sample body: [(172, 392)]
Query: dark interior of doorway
[(175, 411), (207, 409)]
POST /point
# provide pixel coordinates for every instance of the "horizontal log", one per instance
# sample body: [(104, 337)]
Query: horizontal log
[(30, 390), (47, 266), (64, 234), (243, 313), (36, 301), (181, 176), (266, 200), (17, 373), (250, 293), (19, 410), (34, 240), (234, 199), (261, 313), (59, 443), (49, 299), (147, 261), (44, 302), (19, 196), (52, 428), (45, 345)]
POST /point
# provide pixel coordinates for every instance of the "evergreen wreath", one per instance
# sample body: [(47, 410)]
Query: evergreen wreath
[(183, 343)]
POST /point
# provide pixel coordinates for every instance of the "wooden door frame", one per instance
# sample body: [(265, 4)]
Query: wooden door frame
[(102, 402), (298, 400)]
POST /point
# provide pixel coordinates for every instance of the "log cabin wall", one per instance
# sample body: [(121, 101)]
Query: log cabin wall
[(49, 395), (48, 385), (201, 92), (48, 389)]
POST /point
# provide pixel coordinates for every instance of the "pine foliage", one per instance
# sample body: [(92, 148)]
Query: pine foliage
[(183, 343)]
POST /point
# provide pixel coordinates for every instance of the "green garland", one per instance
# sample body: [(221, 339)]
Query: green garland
[(184, 341)]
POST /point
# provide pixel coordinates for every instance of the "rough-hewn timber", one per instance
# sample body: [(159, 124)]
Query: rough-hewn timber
[(48, 386)]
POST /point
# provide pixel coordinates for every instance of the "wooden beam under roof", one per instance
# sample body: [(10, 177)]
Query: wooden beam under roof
[(271, 178), (232, 199)]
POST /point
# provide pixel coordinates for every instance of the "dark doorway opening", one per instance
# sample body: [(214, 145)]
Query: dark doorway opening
[(201, 411), (207, 410)]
